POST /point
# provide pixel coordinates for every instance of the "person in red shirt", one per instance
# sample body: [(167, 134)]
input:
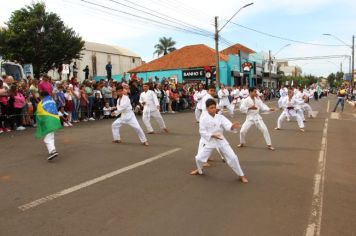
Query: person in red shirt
[(45, 85)]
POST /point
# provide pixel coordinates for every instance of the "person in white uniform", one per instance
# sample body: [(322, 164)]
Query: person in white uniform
[(224, 101), (289, 105), (211, 129), (244, 92), (198, 97), (283, 93), (151, 108), (252, 106), (303, 97), (235, 94), (211, 93), (126, 116)]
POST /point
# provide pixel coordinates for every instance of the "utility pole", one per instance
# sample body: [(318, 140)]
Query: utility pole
[(340, 66), (269, 66), (217, 53), (353, 62)]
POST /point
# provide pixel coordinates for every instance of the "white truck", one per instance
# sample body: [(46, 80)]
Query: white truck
[(13, 69)]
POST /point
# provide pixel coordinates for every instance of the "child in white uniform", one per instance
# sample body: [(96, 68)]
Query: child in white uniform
[(289, 104), (211, 129), (126, 116), (151, 107), (198, 97), (252, 106), (224, 101)]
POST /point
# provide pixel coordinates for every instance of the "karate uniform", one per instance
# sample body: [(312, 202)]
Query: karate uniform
[(223, 95), (244, 93), (205, 112), (216, 125), (198, 98), (254, 118), (127, 116), (49, 141), (292, 112), (283, 93), (235, 100), (150, 101)]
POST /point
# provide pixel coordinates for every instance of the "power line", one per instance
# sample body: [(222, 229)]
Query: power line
[(166, 17), (286, 39), (313, 58), (114, 16), (146, 19)]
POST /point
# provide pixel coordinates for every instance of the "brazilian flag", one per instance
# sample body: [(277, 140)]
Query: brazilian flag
[(47, 118)]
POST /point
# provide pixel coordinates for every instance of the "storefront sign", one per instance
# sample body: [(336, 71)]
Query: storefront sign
[(198, 73)]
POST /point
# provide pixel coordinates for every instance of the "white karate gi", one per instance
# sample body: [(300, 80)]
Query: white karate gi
[(235, 100), (216, 125), (223, 95), (306, 107), (150, 108), (205, 112), (49, 141), (254, 118), (244, 93), (198, 98), (127, 117), (283, 92), (292, 103)]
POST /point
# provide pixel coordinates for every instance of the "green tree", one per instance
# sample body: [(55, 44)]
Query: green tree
[(165, 46), (35, 36)]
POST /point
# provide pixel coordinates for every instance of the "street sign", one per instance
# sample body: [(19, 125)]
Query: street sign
[(65, 69), (28, 70)]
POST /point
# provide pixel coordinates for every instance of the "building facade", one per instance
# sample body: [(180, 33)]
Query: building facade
[(96, 56)]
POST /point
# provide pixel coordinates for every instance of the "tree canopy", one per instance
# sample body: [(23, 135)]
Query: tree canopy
[(165, 46), (35, 36)]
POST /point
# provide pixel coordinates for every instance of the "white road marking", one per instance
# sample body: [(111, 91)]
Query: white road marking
[(335, 116), (94, 181), (314, 223), (328, 107)]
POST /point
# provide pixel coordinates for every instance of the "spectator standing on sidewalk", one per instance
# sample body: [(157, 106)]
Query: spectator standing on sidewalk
[(4, 108), (107, 93), (84, 102), (45, 85), (16, 103), (35, 97)]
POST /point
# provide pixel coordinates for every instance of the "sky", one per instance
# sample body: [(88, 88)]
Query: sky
[(300, 20)]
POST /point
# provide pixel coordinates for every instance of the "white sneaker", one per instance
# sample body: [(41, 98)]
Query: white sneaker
[(85, 120), (65, 125), (20, 128), (91, 119), (70, 124)]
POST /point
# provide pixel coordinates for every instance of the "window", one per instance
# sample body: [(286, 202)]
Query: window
[(133, 60)]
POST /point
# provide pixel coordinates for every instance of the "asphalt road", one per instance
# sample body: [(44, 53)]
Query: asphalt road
[(155, 195)]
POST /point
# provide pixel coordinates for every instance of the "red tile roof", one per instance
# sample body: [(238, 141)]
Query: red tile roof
[(235, 50), (193, 56)]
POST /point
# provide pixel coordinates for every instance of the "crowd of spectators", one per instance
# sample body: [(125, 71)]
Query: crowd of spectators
[(84, 101)]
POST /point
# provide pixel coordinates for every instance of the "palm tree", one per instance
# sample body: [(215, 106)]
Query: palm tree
[(165, 46)]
